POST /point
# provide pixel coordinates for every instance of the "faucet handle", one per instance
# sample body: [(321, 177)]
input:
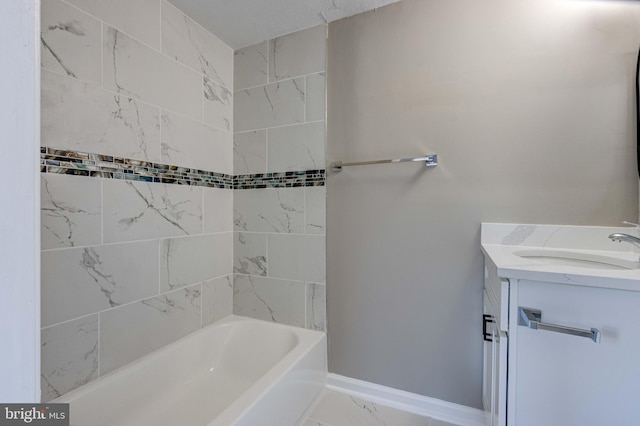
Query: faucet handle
[(637, 225)]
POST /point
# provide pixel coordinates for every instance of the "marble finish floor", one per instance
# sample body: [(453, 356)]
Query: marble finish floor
[(339, 409)]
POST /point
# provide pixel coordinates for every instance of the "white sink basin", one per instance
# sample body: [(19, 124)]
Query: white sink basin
[(576, 259)]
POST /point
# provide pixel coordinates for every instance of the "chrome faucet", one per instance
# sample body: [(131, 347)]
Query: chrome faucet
[(626, 238)]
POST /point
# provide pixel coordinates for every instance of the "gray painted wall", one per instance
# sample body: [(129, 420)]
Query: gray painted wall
[(529, 105)]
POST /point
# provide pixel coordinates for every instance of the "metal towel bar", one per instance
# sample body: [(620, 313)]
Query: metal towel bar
[(532, 318), (429, 161)]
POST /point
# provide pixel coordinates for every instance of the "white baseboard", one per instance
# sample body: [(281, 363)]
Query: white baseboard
[(407, 401)]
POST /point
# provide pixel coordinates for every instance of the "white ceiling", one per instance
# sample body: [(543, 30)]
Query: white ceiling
[(241, 23)]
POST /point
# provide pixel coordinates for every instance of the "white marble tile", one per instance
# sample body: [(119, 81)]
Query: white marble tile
[(189, 260), (218, 105), (82, 117), (71, 42), (335, 408), (69, 356), (316, 108), (316, 307), (218, 210), (134, 330), (269, 210), (312, 422), (135, 70), (299, 147), (190, 143), (250, 152), (300, 53), (186, 41), (139, 18), (316, 209), (269, 299), (271, 105), (435, 422), (217, 299), (250, 254), (70, 211), (82, 281), (297, 257), (251, 66), (139, 210)]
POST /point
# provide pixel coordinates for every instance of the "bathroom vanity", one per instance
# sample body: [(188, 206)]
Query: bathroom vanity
[(561, 326)]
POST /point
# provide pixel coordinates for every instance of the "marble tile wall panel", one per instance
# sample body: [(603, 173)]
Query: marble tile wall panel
[(299, 147), (217, 299), (250, 152), (250, 253), (70, 211), (137, 211), (189, 260), (218, 105), (271, 105), (297, 257), (316, 108), (189, 143), (71, 42), (69, 356), (269, 299), (316, 307), (82, 281), (82, 117), (218, 210), (139, 18), (251, 66), (134, 330), (269, 210), (300, 53), (133, 69), (315, 209), (187, 42)]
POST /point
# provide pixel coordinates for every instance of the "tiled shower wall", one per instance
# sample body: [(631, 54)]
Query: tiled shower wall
[(129, 266), (279, 233)]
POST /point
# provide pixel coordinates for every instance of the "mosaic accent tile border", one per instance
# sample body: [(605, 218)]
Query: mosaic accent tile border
[(53, 160)]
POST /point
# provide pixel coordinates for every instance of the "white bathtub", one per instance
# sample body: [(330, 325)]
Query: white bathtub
[(238, 371)]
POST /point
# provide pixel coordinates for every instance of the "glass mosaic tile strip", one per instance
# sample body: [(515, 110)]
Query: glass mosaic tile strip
[(53, 160)]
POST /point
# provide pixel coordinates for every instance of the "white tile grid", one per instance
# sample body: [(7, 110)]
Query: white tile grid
[(333, 408)]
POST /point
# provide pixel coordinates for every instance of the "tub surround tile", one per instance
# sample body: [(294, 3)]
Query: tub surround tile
[(250, 152), (315, 209), (316, 97), (251, 66), (82, 281), (134, 330), (189, 143), (135, 70), (217, 299), (269, 299), (269, 210), (137, 18), (69, 356), (187, 42), (271, 105), (218, 210), (189, 260), (250, 254), (334, 408), (70, 210), (218, 105), (316, 307), (78, 116), (299, 147), (300, 53), (71, 42), (137, 210), (297, 257)]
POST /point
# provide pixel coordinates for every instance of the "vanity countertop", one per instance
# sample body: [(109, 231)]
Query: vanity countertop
[(520, 251)]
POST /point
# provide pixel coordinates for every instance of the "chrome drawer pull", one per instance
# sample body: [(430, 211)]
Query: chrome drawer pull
[(532, 318)]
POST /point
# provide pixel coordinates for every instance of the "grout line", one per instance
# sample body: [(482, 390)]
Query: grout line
[(277, 127), (306, 98), (279, 81), (99, 344), (102, 50), (160, 6), (160, 266), (101, 212)]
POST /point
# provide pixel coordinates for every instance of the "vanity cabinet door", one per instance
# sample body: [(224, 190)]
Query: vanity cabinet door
[(495, 367), (559, 379)]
